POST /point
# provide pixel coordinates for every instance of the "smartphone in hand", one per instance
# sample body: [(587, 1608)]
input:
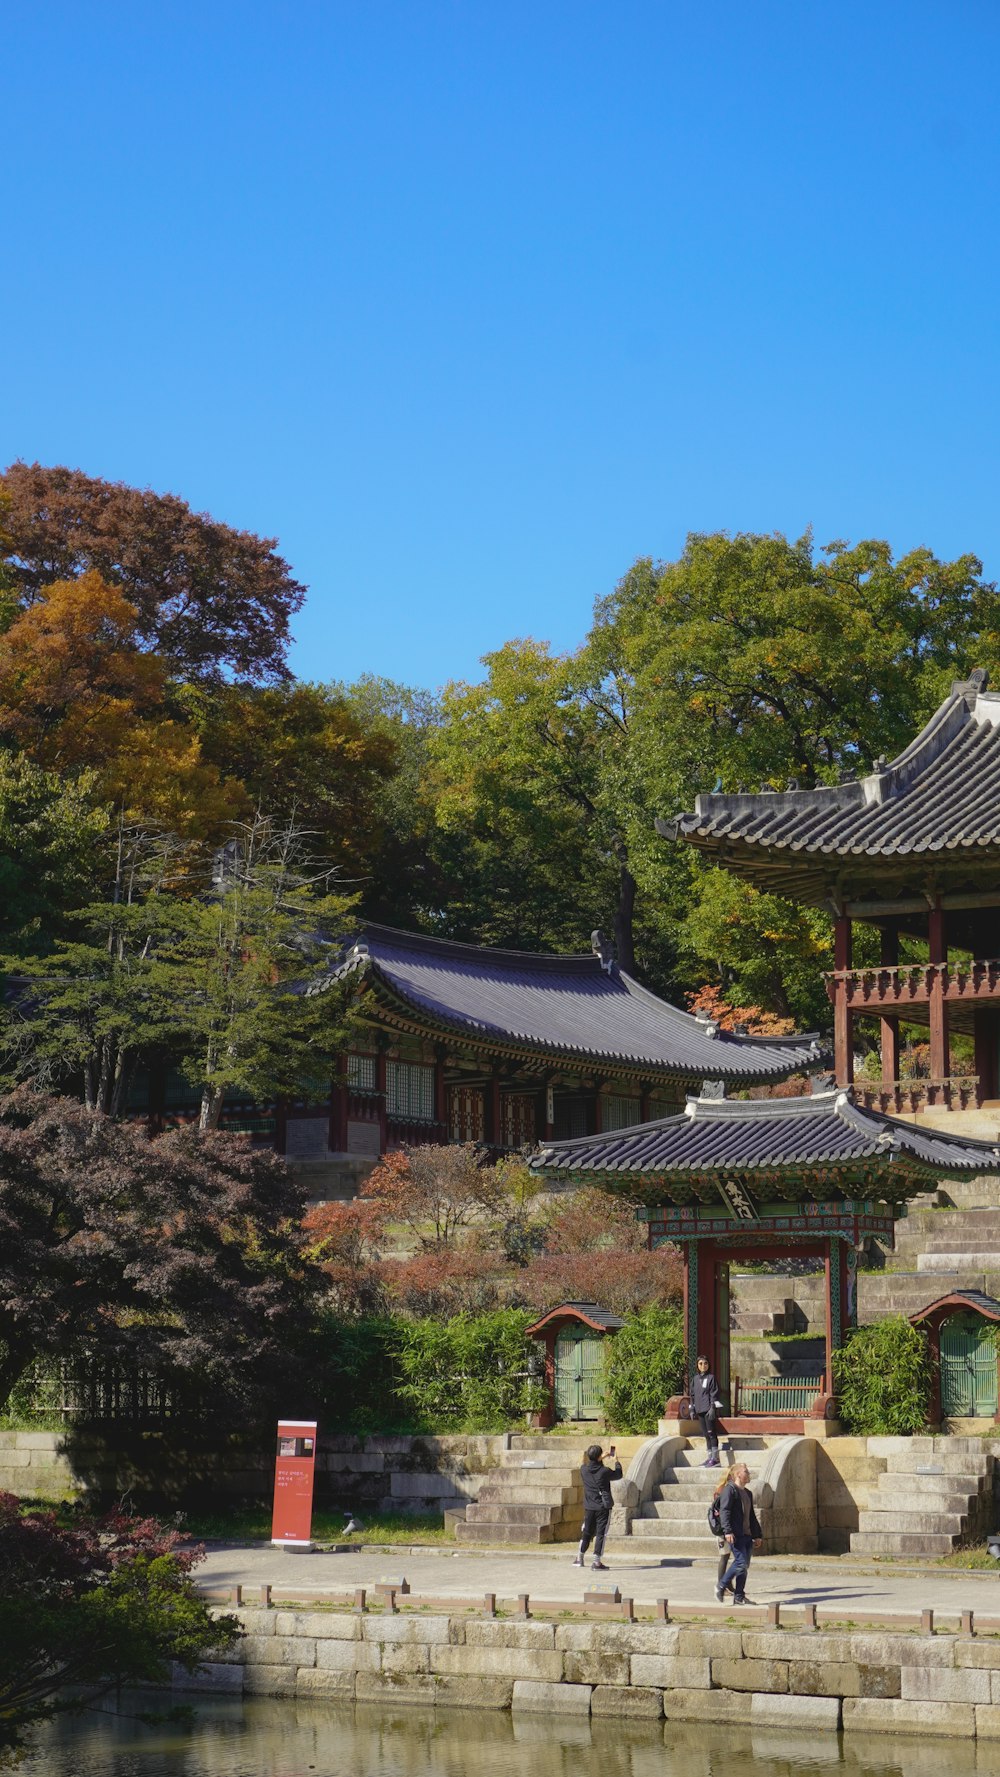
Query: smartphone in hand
[(611, 1449)]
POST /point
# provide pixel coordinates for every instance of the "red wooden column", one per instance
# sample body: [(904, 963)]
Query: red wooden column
[(984, 1031), (493, 1109), (441, 1092), (889, 1027), (831, 1272), (337, 1137), (843, 1047), (940, 1059), (380, 1098)]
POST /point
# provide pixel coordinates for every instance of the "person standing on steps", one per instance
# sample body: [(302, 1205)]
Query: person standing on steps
[(742, 1531), (706, 1405), (725, 1552), (597, 1502)]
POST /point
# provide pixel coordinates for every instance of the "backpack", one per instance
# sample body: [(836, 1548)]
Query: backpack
[(715, 1516)]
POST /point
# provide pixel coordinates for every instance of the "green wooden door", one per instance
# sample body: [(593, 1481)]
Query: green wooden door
[(579, 1375), (968, 1368)]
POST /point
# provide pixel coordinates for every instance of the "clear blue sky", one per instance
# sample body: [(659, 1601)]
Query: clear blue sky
[(471, 304)]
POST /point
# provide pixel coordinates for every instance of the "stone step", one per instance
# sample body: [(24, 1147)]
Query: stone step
[(938, 1262), (951, 1524), (491, 1512), (686, 1524), (940, 1501), (969, 1468), (506, 1533), (870, 1542), (658, 1547), (518, 1492), (569, 1461)]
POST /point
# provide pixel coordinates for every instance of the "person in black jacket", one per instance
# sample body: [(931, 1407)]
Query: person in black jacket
[(597, 1503), (742, 1531), (706, 1404)]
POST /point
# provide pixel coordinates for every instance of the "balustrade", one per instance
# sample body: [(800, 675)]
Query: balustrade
[(911, 984)]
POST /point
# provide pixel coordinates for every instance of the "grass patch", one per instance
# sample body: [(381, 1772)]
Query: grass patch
[(252, 1524), (975, 1556)]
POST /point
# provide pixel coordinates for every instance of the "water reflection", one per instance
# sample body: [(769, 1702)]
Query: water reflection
[(271, 1738)]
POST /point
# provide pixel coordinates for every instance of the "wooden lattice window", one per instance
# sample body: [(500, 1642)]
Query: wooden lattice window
[(466, 1114), (518, 1119)]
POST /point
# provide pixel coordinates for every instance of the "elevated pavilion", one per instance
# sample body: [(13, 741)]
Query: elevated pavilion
[(913, 849)]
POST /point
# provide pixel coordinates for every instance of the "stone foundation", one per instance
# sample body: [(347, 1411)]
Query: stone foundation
[(864, 1681)]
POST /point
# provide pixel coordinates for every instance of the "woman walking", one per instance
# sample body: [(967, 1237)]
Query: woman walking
[(742, 1532)]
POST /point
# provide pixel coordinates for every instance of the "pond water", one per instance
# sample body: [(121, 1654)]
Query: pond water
[(270, 1738)]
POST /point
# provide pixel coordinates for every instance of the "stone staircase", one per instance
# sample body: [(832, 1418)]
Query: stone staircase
[(934, 1494), (672, 1523), (534, 1496)]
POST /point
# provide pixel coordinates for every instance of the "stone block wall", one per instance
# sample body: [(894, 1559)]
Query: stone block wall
[(387, 1474), (862, 1681)]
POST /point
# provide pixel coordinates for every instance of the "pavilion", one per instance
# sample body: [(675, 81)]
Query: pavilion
[(768, 1179), (912, 849)]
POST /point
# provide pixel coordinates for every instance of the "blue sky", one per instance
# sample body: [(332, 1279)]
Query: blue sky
[(471, 304)]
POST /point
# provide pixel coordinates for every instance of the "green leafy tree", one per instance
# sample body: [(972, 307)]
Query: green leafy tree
[(883, 1379), (89, 1604), (644, 1365), (208, 972)]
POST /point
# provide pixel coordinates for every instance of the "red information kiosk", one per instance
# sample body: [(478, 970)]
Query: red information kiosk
[(295, 1463)]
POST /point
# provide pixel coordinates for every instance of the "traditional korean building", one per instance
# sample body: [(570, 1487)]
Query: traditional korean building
[(460, 1042), (810, 1178), (912, 850)]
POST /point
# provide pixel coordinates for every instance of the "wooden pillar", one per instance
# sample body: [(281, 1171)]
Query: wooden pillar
[(380, 1096), (832, 1281), (889, 1027), (843, 1044), (441, 1091), (545, 1110), (598, 1107), (984, 1028), (492, 1110), (940, 1059), (644, 1097), (337, 1137)]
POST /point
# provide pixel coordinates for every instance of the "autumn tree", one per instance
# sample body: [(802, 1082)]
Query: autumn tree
[(181, 1256), (436, 1192), (213, 600), (79, 694)]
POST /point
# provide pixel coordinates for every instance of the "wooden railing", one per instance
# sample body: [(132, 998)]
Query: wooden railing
[(794, 1395), (911, 984), (959, 1092)]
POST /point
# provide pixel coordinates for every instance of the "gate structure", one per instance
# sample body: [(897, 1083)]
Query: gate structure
[(768, 1180), (574, 1335), (962, 1330)]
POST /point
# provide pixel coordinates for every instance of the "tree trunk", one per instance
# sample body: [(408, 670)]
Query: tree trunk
[(624, 916), (211, 1107)]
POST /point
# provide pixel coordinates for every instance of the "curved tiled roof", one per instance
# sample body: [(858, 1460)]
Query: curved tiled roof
[(942, 794), (729, 1138), (570, 1007)]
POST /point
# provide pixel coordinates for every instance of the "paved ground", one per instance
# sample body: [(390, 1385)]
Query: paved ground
[(445, 1573)]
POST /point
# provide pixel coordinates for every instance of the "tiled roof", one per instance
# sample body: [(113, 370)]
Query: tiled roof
[(590, 1312), (572, 1007), (728, 1137), (975, 1299), (942, 794)]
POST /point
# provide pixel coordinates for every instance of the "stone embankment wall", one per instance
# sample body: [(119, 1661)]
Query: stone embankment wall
[(861, 1681), (388, 1474)]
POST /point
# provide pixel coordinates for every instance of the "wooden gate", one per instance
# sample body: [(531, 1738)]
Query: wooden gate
[(579, 1375), (968, 1367)]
